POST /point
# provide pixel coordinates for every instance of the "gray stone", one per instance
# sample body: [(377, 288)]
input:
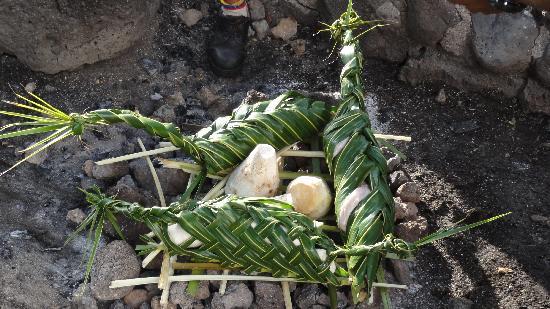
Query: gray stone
[(411, 231), (256, 9), (145, 306), (401, 271), (37, 158), (172, 181), (166, 113), (536, 97), (118, 304), (409, 192), (441, 97), (110, 171), (179, 295), (393, 163), (397, 179), (391, 42), (268, 295), (137, 297), (63, 35), (88, 168), (460, 303), (308, 295), (83, 299), (176, 99), (155, 304), (434, 66), (389, 12), (152, 67), (503, 42), (261, 27), (208, 96), (237, 295), (540, 219), (298, 47), (428, 20), (457, 38), (404, 210), (306, 12), (190, 17), (286, 29), (75, 216), (116, 261), (542, 41), (30, 87), (88, 183), (542, 67), (156, 97), (127, 190)]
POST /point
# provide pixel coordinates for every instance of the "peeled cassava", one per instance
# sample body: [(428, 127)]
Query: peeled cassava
[(257, 176), (309, 195)]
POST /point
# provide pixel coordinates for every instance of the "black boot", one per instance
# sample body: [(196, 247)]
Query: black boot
[(226, 46)]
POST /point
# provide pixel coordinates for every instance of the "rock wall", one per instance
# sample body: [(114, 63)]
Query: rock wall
[(502, 55), (56, 35)]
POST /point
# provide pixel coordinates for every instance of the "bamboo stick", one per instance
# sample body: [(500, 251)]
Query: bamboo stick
[(168, 147), (137, 155), (223, 283), (286, 295), (185, 278)]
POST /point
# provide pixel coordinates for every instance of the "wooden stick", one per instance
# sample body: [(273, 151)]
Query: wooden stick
[(156, 180)]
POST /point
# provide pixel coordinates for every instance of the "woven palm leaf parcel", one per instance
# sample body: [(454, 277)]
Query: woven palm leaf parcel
[(289, 118), (259, 234)]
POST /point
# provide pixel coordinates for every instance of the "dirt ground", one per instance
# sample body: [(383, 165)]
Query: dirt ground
[(473, 157)]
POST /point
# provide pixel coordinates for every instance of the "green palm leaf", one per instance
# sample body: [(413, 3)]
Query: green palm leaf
[(287, 119)]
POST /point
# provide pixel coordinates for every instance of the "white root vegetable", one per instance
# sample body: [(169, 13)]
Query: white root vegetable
[(309, 195), (257, 176), (178, 236), (350, 203)]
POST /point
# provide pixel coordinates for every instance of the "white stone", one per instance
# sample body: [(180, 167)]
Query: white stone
[(256, 9), (261, 27), (190, 17), (286, 29)]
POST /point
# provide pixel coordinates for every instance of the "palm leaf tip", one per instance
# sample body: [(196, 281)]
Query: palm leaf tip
[(35, 117), (448, 232), (101, 211)]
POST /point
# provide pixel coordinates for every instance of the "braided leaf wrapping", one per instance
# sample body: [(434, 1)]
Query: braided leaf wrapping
[(355, 160), (251, 234), (283, 121)]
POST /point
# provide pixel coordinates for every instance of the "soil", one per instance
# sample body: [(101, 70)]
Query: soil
[(473, 157)]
